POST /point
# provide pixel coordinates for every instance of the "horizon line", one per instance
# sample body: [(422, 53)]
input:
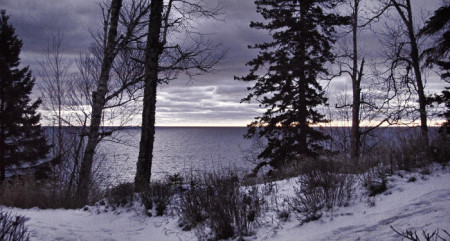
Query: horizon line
[(240, 126)]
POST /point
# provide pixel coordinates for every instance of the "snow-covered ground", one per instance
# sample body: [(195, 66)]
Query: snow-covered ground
[(423, 204)]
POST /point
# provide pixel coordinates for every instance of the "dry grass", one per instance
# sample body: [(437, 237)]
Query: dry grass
[(13, 227), (27, 192)]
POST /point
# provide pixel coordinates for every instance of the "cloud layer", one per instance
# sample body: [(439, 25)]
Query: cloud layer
[(212, 99)]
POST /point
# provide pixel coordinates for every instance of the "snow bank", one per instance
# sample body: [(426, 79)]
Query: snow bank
[(423, 204)]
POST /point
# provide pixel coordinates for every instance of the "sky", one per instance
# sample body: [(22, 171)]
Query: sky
[(210, 100)]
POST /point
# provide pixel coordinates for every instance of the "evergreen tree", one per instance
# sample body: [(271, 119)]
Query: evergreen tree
[(21, 139), (438, 25), (286, 72)]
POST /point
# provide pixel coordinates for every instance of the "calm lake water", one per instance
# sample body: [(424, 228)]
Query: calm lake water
[(177, 150), (200, 149)]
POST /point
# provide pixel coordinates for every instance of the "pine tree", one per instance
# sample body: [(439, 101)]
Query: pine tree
[(21, 139), (438, 25), (286, 72)]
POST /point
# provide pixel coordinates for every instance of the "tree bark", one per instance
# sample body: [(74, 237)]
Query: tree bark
[(98, 103), (2, 140), (355, 141), (153, 50)]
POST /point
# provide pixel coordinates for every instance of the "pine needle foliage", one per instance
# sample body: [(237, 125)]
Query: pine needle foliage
[(21, 138), (286, 75)]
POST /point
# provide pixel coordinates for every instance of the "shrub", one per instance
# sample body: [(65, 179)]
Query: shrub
[(411, 152), (27, 192), (412, 235), (121, 195), (375, 181), (221, 204), (247, 210), (192, 209), (157, 195), (176, 179), (322, 185), (283, 215), (440, 148), (13, 227), (412, 179), (376, 187)]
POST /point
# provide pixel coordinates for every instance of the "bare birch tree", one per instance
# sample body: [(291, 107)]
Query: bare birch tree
[(54, 81), (121, 28)]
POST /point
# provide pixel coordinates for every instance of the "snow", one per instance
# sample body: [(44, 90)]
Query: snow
[(423, 204), (85, 225)]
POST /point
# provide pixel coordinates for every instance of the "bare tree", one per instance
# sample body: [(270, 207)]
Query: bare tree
[(103, 91), (165, 59), (154, 49), (365, 104), (54, 78), (111, 44), (404, 58), (98, 100)]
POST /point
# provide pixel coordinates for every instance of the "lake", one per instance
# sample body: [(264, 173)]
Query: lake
[(200, 149), (177, 150)]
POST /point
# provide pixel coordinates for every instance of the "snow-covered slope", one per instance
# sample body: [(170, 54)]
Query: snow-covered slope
[(80, 225), (423, 204)]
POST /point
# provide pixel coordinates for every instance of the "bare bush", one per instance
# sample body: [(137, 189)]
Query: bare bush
[(158, 196), (27, 192), (192, 212), (440, 148), (322, 185), (407, 153), (412, 152), (13, 227), (121, 195), (375, 179), (219, 202), (412, 235)]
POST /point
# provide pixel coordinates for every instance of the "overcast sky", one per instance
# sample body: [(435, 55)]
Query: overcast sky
[(213, 99)]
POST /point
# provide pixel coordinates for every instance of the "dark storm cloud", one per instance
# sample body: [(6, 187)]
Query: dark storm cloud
[(215, 96), (37, 20), (212, 99)]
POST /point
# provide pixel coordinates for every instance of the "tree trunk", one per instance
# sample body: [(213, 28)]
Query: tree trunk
[(418, 74), (98, 103), (2, 141), (152, 52), (355, 141), (408, 21), (2, 160)]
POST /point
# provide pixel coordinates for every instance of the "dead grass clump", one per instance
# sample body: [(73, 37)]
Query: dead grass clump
[(13, 227)]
